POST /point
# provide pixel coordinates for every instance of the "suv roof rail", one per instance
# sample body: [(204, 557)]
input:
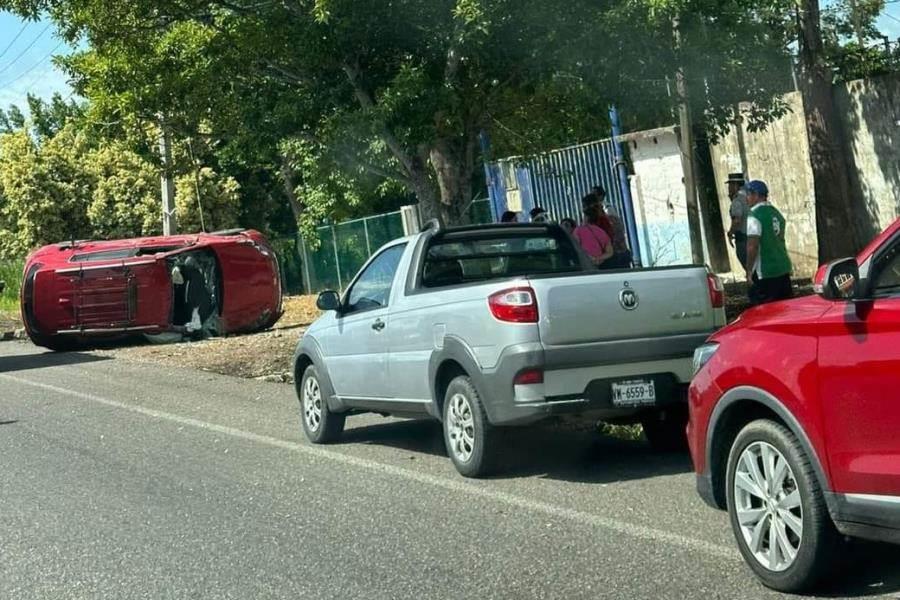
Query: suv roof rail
[(434, 224)]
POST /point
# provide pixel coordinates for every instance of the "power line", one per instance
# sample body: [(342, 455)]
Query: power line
[(890, 16), (18, 35), (22, 53), (33, 67)]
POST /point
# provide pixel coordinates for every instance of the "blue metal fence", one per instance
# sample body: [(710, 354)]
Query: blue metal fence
[(556, 181)]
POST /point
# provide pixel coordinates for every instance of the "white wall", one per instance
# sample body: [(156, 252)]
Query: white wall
[(657, 188)]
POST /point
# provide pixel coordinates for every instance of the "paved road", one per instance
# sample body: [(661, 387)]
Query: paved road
[(120, 480)]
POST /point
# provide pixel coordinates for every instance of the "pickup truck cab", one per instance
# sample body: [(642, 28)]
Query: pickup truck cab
[(485, 327)]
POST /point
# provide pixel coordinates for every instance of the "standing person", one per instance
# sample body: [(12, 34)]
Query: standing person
[(614, 227), (509, 217), (593, 239), (739, 211), (770, 266), (569, 225)]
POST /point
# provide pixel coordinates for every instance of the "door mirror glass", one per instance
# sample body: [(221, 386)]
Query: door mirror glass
[(841, 280), (328, 301)]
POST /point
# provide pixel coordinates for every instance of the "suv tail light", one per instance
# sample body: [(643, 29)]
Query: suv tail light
[(529, 377), (515, 305), (716, 291)]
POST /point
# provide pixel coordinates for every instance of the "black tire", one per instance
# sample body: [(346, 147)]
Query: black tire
[(483, 456), (328, 426), (665, 428), (820, 540)]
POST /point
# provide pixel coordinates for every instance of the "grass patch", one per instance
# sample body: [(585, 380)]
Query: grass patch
[(11, 273)]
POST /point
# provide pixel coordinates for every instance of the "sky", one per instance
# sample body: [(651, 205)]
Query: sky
[(26, 49)]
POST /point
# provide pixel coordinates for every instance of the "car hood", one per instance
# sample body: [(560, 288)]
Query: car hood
[(779, 315)]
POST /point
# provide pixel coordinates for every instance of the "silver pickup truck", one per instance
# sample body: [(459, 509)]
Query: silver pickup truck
[(487, 327)]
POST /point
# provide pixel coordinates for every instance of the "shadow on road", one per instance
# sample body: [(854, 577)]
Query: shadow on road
[(551, 453), (865, 569), (25, 362)]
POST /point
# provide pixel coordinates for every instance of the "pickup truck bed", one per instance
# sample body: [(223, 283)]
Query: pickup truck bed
[(492, 326)]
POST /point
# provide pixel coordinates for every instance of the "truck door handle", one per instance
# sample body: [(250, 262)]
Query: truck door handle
[(378, 325)]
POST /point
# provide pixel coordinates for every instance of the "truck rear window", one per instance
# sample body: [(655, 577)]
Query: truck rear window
[(462, 258)]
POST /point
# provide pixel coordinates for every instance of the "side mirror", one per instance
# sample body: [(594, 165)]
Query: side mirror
[(328, 301), (841, 281)]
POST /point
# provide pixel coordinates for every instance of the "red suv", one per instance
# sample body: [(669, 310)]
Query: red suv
[(795, 419), (216, 283)]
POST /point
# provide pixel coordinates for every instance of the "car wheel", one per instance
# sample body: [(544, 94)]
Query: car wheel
[(320, 424), (777, 509), (665, 429), (469, 436)]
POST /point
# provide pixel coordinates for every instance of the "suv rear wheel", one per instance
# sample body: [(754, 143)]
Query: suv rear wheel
[(777, 509), (320, 425), (469, 436)]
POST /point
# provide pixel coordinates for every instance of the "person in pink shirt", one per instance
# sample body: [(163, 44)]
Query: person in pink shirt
[(592, 238)]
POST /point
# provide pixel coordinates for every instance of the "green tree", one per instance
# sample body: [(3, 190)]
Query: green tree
[(45, 188), (217, 198), (125, 201)]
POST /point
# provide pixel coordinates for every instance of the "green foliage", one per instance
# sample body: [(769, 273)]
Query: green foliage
[(217, 195), (11, 274), (126, 199), (44, 190)]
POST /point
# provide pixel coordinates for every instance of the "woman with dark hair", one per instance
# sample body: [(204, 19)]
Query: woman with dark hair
[(509, 217), (592, 237)]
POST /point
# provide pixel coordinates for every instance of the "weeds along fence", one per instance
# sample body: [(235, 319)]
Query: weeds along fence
[(11, 275)]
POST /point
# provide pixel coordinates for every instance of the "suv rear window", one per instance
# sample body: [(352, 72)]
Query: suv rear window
[(457, 258)]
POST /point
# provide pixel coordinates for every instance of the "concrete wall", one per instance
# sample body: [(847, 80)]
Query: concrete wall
[(871, 113), (657, 189), (780, 157)]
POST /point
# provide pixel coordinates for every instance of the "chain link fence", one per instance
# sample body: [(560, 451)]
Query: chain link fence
[(345, 247)]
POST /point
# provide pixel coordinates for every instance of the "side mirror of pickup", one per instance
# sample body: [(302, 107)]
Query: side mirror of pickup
[(328, 301), (841, 280)]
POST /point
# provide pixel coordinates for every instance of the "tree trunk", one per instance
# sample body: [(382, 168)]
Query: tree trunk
[(454, 169), (836, 220)]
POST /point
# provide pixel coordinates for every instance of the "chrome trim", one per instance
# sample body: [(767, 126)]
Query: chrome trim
[(874, 498), (110, 330)]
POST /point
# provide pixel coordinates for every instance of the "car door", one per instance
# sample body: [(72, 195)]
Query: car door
[(356, 347), (859, 384)]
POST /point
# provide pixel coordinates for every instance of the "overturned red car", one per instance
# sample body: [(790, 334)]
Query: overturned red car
[(196, 285)]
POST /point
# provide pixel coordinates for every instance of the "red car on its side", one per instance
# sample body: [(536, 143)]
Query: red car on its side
[(795, 419), (216, 283)]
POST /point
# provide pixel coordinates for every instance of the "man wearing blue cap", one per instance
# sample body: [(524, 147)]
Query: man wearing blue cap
[(768, 264)]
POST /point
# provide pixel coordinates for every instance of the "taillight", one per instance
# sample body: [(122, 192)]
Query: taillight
[(529, 377), (516, 305), (716, 291)]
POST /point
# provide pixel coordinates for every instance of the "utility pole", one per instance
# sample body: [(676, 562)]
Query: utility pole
[(688, 155), (168, 183)]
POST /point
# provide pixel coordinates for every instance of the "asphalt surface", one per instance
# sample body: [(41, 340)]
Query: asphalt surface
[(122, 480)]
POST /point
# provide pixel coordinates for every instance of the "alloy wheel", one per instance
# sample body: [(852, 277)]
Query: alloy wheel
[(312, 404), (461, 427), (768, 506)]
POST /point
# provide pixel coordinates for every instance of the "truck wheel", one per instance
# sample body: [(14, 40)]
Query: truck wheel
[(469, 436), (665, 429), (320, 425), (777, 509)]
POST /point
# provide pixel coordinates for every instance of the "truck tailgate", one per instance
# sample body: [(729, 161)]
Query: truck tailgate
[(600, 306)]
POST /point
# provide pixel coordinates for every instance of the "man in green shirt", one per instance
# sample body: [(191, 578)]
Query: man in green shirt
[(768, 264)]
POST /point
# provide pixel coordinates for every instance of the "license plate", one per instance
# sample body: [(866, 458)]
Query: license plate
[(634, 393)]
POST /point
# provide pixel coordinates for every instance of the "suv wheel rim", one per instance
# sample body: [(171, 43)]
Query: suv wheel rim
[(768, 506), (461, 427), (312, 404)]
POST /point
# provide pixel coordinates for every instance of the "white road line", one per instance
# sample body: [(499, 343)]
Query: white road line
[(460, 486)]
